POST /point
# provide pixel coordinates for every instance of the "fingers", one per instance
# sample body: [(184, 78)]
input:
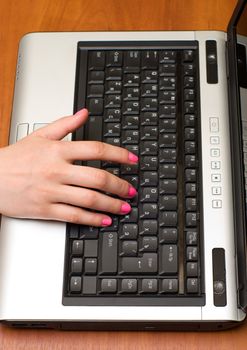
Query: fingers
[(85, 198), (94, 150), (63, 126), (84, 176), (68, 213)]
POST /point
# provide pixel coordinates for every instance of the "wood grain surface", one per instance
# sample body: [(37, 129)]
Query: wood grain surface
[(23, 16)]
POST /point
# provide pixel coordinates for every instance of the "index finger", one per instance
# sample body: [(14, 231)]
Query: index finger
[(95, 150)]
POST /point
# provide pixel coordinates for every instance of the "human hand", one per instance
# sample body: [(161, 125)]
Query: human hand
[(39, 180)]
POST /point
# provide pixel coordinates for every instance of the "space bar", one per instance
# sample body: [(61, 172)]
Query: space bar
[(93, 132)]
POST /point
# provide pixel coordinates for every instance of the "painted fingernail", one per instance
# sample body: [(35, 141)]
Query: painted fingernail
[(106, 222), (133, 158), (132, 192), (78, 113), (125, 208)]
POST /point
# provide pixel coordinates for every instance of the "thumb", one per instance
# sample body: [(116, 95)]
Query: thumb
[(63, 126)]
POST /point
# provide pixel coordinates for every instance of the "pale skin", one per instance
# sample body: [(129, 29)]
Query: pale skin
[(40, 181)]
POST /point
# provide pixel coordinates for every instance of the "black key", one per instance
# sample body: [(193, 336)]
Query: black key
[(168, 70), (132, 179), (190, 175), (168, 125), (189, 94), (93, 129), (190, 189), (93, 163), (132, 217), (168, 218), (149, 60), (90, 266), (113, 101), (128, 248), (91, 248), (168, 259), (130, 137), (168, 56), (167, 97), (133, 148), (169, 285), (112, 115), (147, 264), (129, 169), (114, 58), (129, 285), (190, 120), (168, 155), (77, 247), (149, 133), (167, 111), (148, 244), (149, 195), (131, 122), (189, 107), (149, 211), (149, 90), (131, 107), (190, 147), (95, 106), (189, 69), (149, 148), (112, 129), (188, 55), (168, 171), (89, 285), (149, 104), (192, 237), (73, 231), (149, 163), (115, 141), (108, 242), (168, 235), (168, 186), (131, 80), (76, 265), (96, 60), (131, 94), (189, 82), (191, 219), (192, 253), (192, 285), (108, 285), (96, 77), (132, 61), (148, 227), (190, 161), (167, 83), (149, 118), (113, 74), (168, 140), (192, 269), (129, 231), (189, 134), (113, 87), (191, 204), (149, 76), (149, 178), (89, 232), (95, 91), (149, 285), (169, 202), (75, 284)]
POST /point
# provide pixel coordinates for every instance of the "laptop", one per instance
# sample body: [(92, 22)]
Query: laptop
[(178, 260)]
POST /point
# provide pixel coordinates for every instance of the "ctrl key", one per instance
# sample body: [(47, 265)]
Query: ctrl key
[(75, 284)]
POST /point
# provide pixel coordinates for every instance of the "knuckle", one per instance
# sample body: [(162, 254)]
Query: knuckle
[(123, 187), (99, 149), (74, 217), (90, 199), (101, 178)]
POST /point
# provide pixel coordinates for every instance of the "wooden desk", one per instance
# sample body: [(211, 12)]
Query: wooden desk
[(20, 17)]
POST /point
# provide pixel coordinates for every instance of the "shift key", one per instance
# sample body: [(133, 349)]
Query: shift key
[(108, 253)]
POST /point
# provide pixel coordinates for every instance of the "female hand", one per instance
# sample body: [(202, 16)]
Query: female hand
[(39, 180)]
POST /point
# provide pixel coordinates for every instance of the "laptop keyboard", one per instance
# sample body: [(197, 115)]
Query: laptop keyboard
[(147, 101)]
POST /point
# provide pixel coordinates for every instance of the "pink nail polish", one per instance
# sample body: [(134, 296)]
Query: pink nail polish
[(133, 158), (132, 192), (106, 222), (125, 208)]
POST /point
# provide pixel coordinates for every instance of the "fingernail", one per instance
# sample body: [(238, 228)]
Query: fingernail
[(133, 158), (106, 222), (78, 113), (125, 208), (132, 192)]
